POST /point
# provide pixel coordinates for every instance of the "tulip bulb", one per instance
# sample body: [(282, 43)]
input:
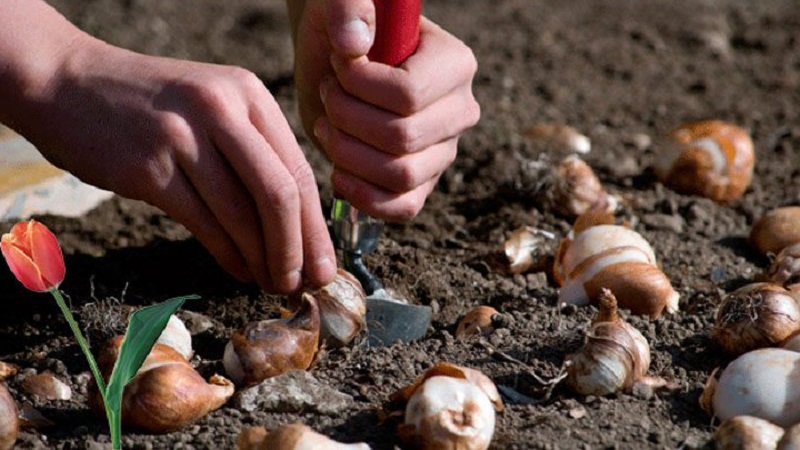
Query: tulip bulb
[(619, 259), (47, 386), (755, 316), (761, 383), (524, 249), (563, 138), (166, 394), (296, 436), (178, 337), (342, 310), (9, 421), (614, 356), (785, 269), (269, 348), (713, 159), (477, 321), (776, 230), (449, 408), (576, 189), (747, 433), (594, 240), (790, 439)]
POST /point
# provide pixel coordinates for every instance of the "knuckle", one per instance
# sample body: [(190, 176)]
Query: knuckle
[(405, 137), (406, 178), (282, 195), (473, 112), (409, 208), (176, 130), (303, 176), (410, 96)]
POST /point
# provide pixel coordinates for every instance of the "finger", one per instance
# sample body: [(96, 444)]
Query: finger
[(276, 196), (179, 199), (396, 134), (229, 202), (319, 261), (350, 26), (380, 203), (441, 64), (391, 172)]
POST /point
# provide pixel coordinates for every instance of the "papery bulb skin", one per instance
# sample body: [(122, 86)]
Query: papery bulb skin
[(760, 383), (712, 159), (776, 230), (269, 348), (166, 394), (576, 189), (615, 355), (747, 433), (755, 316), (298, 436), (342, 309), (447, 413), (477, 321), (596, 240), (177, 336), (560, 137), (785, 269), (639, 286), (790, 439), (525, 249), (34, 256), (46, 386), (9, 421)]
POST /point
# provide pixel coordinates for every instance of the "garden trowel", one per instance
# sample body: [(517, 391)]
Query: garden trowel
[(389, 318)]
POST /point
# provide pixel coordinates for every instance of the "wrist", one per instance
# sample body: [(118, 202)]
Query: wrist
[(35, 44)]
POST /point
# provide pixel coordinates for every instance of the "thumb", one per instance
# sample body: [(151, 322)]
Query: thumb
[(351, 26)]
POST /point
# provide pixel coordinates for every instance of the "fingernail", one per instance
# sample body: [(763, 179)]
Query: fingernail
[(293, 280), (325, 267), (321, 130), (358, 36)]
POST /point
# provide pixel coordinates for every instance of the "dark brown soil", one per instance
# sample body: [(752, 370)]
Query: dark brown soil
[(616, 70)]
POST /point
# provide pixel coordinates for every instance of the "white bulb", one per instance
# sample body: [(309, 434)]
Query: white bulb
[(761, 383), (447, 412)]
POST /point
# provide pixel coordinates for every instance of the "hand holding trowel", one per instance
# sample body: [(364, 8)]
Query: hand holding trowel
[(388, 318)]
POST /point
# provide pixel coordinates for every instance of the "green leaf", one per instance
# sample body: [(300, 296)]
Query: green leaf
[(144, 328)]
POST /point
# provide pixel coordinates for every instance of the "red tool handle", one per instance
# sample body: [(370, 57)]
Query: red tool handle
[(396, 30)]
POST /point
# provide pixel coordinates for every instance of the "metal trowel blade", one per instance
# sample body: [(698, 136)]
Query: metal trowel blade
[(390, 320)]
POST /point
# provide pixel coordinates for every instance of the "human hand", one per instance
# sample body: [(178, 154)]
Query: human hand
[(389, 131), (208, 144)]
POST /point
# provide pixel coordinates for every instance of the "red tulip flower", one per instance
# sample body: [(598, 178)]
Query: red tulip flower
[(34, 256)]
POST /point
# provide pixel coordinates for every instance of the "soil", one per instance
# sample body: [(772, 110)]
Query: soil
[(623, 72)]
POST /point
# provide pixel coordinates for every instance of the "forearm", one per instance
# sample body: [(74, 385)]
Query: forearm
[(35, 39)]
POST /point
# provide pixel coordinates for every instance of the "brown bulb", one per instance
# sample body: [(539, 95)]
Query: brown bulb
[(712, 158), (298, 436), (9, 421), (776, 230), (166, 394), (479, 320), (576, 189), (785, 269), (747, 433), (342, 309), (755, 316), (269, 348), (614, 356)]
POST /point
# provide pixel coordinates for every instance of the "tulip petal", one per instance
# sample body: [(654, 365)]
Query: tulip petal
[(22, 265), (46, 254)]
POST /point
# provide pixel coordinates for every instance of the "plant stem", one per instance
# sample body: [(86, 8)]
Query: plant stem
[(113, 420)]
